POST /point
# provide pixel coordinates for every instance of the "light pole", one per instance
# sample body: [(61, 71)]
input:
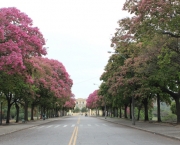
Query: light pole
[(133, 117)]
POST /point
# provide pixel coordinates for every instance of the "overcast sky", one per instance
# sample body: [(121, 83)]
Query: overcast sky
[(78, 34)]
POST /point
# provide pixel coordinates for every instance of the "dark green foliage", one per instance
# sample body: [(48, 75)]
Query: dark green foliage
[(173, 107), (76, 110), (84, 109)]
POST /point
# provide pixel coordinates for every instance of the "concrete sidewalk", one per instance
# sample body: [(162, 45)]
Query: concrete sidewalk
[(163, 129), (13, 127)]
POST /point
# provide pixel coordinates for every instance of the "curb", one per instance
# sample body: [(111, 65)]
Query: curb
[(171, 137)]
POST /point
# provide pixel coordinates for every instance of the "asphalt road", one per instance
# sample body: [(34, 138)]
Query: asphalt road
[(81, 130)]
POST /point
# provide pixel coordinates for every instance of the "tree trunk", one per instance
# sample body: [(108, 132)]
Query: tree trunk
[(44, 111), (8, 98), (52, 113), (41, 112), (103, 113), (8, 113), (32, 111), (139, 111), (116, 112), (17, 112), (176, 97), (48, 113), (145, 102), (26, 111), (120, 112), (158, 108), (177, 110), (130, 109), (125, 111)]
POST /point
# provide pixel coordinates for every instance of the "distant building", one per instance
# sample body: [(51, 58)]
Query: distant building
[(80, 103)]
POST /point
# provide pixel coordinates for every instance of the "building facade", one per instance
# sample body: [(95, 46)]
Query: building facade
[(80, 103)]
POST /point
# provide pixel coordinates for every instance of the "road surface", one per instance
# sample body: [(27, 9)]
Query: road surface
[(81, 130)]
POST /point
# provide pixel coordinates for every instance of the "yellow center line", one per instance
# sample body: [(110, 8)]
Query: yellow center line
[(75, 136), (70, 142)]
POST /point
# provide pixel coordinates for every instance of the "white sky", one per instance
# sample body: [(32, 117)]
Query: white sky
[(78, 34)]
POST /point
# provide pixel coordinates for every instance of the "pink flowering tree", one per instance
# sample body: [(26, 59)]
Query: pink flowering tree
[(62, 84), (19, 41), (70, 103), (52, 81), (92, 100)]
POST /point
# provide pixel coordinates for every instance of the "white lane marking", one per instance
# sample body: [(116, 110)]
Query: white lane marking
[(104, 124), (89, 124), (56, 126), (64, 125), (81, 125), (49, 126), (73, 125)]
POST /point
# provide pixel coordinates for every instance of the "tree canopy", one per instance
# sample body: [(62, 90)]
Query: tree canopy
[(26, 75)]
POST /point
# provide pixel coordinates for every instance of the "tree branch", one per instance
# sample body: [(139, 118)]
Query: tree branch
[(171, 34)]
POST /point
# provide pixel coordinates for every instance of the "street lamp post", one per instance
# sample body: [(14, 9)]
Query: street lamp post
[(133, 117)]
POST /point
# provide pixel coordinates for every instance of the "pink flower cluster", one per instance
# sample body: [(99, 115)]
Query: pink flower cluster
[(70, 103), (52, 75), (19, 40), (92, 100), (21, 51)]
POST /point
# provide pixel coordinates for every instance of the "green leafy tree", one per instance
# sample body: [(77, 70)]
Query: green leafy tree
[(76, 110), (147, 73), (84, 109), (173, 107), (152, 18)]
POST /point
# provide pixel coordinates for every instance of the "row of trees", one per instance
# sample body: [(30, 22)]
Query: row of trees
[(26, 77), (92, 100), (146, 63), (78, 110)]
